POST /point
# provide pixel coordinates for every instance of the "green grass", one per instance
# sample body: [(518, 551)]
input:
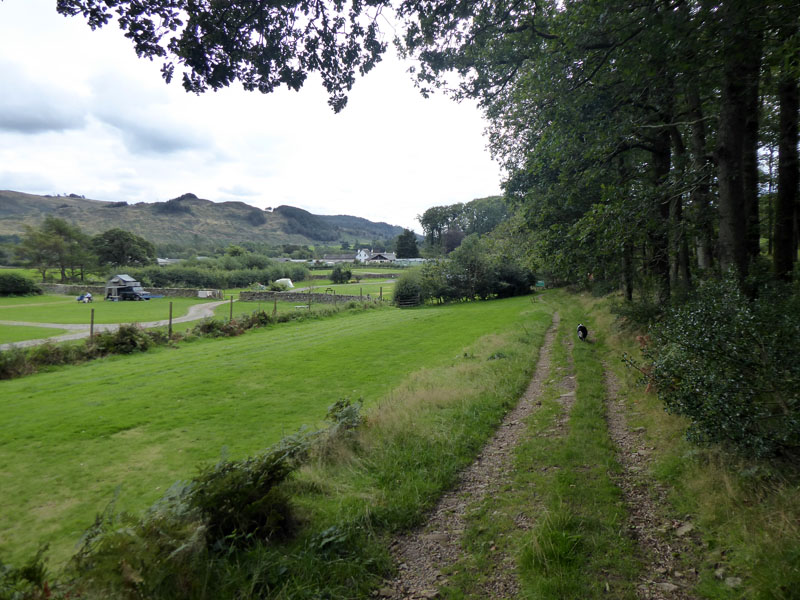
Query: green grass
[(357, 289), (58, 309), (561, 486), (15, 333), (69, 437)]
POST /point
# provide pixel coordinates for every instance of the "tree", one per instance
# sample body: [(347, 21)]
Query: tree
[(117, 247), (341, 274), (263, 45), (56, 243), (406, 245)]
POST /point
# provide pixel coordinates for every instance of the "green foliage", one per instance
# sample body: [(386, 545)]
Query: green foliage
[(256, 218), (228, 272), (125, 340), (240, 500), (117, 248), (28, 582), (302, 222), (729, 364), (406, 245), (408, 289), (341, 274), (165, 552), (14, 284), (175, 206)]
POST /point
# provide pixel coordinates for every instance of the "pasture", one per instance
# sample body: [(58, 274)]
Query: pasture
[(70, 437), (16, 333), (64, 309)]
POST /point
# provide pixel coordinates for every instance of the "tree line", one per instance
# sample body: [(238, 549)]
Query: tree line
[(56, 244)]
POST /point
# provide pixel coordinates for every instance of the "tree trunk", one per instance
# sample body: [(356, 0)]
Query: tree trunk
[(737, 47), (659, 236), (627, 269), (699, 196), (786, 210), (750, 147)]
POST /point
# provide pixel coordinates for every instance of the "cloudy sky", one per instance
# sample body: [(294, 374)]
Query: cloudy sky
[(80, 113)]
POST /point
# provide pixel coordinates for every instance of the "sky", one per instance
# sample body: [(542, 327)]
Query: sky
[(81, 113)]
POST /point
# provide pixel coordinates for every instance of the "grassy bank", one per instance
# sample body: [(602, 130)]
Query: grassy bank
[(69, 437)]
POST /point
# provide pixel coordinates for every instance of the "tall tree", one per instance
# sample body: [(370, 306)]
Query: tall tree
[(117, 247), (406, 245), (787, 208)]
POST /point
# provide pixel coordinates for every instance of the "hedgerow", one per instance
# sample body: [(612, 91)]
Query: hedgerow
[(729, 364), (14, 284)]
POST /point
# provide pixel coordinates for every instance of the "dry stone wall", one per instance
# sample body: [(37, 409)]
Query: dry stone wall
[(301, 298), (99, 290)]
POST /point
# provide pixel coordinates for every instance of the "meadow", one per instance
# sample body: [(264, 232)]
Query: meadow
[(64, 309), (72, 436)]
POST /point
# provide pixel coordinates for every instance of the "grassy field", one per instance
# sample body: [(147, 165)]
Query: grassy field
[(64, 309), (70, 437), (15, 333)]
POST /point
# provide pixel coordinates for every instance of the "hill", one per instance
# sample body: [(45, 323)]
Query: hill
[(188, 220)]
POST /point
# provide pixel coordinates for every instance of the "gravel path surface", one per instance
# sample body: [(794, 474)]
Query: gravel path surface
[(196, 311), (422, 554), (660, 540)]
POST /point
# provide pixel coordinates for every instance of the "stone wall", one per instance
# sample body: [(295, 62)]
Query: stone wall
[(98, 291), (301, 298)]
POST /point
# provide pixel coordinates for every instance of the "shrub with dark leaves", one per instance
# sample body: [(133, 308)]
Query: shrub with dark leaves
[(729, 364)]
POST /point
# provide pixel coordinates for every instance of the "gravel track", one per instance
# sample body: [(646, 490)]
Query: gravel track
[(660, 541), (422, 554)]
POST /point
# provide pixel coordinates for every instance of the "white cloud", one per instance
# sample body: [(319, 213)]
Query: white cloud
[(91, 118)]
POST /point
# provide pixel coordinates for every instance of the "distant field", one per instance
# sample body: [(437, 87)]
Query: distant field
[(64, 309), (68, 438), (368, 286), (14, 333)]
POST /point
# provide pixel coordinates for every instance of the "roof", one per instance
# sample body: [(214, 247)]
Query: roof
[(125, 278)]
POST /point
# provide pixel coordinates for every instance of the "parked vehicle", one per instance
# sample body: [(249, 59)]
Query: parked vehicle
[(133, 292)]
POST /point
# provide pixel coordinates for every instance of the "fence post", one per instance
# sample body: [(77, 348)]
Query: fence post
[(309, 299), (231, 315), (275, 306), (169, 331), (381, 294), (91, 327)]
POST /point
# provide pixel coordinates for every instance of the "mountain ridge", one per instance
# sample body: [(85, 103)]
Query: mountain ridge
[(188, 220)]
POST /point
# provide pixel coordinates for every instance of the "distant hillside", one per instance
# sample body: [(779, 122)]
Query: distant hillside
[(188, 220)]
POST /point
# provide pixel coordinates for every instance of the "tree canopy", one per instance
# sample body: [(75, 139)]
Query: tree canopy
[(263, 45)]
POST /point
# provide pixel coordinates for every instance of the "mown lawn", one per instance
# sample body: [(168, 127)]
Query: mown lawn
[(14, 333), (68, 438), (61, 309)]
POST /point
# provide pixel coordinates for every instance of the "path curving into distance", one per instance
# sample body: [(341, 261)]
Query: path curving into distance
[(196, 311)]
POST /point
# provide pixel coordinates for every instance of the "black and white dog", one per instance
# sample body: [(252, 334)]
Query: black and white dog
[(582, 332)]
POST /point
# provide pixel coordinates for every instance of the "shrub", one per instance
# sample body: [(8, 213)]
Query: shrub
[(341, 274), (730, 365), (14, 363), (125, 340), (14, 284), (408, 289)]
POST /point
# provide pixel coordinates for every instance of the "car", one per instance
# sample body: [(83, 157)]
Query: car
[(133, 293)]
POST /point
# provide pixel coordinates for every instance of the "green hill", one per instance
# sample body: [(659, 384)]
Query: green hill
[(187, 220)]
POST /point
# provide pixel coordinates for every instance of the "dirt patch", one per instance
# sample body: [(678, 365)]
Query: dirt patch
[(660, 540), (422, 554)]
